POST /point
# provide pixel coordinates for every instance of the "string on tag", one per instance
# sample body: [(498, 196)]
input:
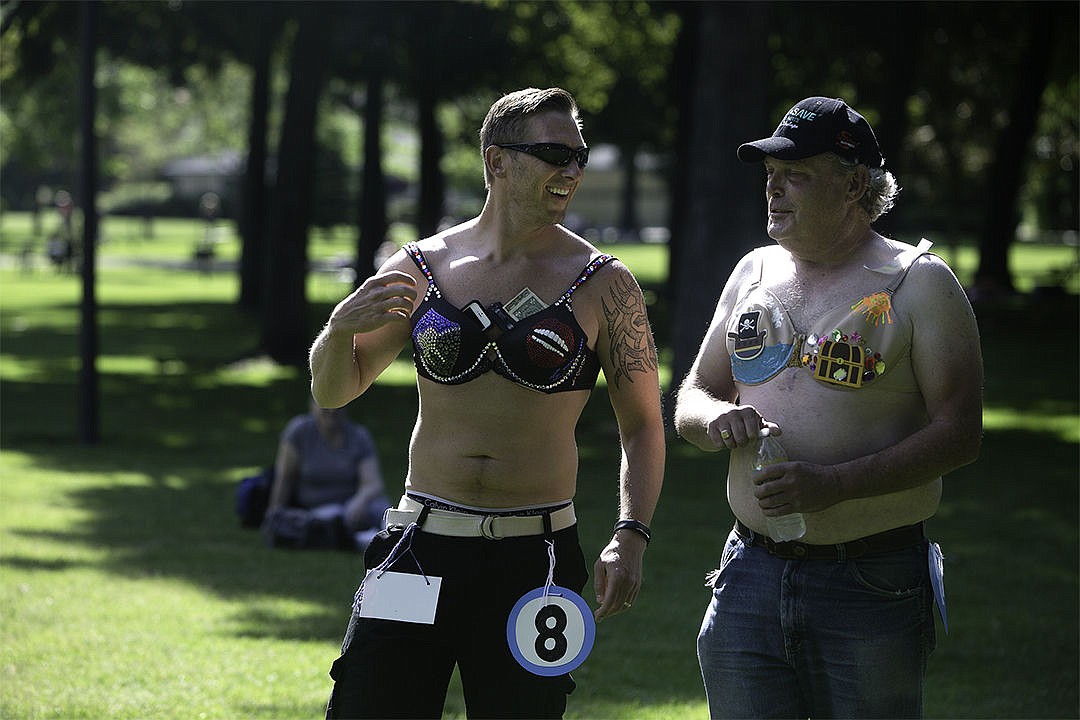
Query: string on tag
[(404, 545), (550, 583)]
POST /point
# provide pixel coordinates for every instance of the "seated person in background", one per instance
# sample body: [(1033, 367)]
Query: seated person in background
[(327, 465)]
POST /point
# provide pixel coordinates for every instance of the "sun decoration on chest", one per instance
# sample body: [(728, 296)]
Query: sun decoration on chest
[(875, 307)]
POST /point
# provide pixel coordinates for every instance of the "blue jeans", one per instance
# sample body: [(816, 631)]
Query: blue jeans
[(816, 638)]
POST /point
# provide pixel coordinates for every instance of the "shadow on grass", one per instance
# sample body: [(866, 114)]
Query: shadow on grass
[(178, 430), (1008, 528), (1008, 525), (177, 435)]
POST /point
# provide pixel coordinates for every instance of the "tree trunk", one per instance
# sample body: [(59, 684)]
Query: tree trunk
[(685, 66), (89, 400), (725, 213), (373, 189), (629, 225), (430, 210), (253, 204), (1007, 172), (284, 326), (905, 21)]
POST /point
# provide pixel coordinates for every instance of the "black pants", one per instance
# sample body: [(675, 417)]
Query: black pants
[(390, 669)]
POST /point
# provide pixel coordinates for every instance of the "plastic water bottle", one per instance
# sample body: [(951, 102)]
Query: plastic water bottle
[(785, 527)]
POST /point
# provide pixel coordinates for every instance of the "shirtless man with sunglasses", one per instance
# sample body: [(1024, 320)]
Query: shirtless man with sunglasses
[(510, 318)]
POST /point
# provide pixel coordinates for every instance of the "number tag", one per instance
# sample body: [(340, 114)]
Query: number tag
[(550, 635)]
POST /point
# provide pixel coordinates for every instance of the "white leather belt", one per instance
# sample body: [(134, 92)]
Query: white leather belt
[(492, 527)]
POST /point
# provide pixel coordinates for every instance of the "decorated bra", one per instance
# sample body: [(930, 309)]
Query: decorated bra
[(851, 346), (544, 350)]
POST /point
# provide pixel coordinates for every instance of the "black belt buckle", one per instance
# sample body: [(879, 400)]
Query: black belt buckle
[(789, 550)]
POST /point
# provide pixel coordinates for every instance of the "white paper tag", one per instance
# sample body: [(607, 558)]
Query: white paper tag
[(553, 634), (937, 581), (400, 596)]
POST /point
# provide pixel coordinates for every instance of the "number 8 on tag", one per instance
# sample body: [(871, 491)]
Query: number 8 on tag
[(550, 635)]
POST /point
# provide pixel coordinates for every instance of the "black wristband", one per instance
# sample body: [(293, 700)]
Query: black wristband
[(637, 526)]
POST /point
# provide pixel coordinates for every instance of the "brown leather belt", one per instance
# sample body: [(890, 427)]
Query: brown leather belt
[(888, 541)]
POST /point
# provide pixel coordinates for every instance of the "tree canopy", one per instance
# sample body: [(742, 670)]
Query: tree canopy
[(975, 105)]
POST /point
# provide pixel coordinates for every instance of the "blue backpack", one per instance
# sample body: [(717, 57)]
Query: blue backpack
[(252, 497)]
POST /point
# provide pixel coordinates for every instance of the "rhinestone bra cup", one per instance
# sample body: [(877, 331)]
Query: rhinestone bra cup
[(546, 351)]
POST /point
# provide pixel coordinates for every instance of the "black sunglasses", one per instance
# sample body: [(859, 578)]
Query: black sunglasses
[(551, 153)]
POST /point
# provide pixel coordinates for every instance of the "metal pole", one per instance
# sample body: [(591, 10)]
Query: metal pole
[(88, 333)]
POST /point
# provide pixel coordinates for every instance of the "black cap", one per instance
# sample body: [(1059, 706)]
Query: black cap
[(817, 125)]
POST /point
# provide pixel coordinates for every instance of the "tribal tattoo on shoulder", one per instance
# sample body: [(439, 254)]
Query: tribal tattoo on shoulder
[(632, 348)]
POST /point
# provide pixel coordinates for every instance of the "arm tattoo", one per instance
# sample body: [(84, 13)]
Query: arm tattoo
[(632, 347)]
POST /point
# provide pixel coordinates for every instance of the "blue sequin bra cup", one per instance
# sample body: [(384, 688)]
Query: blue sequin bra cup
[(546, 351), (851, 347)]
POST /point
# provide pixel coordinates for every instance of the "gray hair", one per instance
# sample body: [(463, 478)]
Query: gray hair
[(880, 195)]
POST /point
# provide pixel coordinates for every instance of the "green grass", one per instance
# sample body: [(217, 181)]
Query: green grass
[(127, 589)]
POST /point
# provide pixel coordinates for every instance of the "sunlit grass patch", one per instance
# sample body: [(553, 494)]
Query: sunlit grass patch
[(1062, 422)]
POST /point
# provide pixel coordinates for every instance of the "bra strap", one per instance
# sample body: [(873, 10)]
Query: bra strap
[(594, 265), (756, 272), (413, 249), (907, 261), (759, 269)]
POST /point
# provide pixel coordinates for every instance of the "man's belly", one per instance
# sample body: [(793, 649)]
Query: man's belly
[(492, 482), (824, 425), (495, 445), (846, 520)]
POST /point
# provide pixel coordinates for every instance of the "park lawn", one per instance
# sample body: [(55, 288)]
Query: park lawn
[(128, 590)]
